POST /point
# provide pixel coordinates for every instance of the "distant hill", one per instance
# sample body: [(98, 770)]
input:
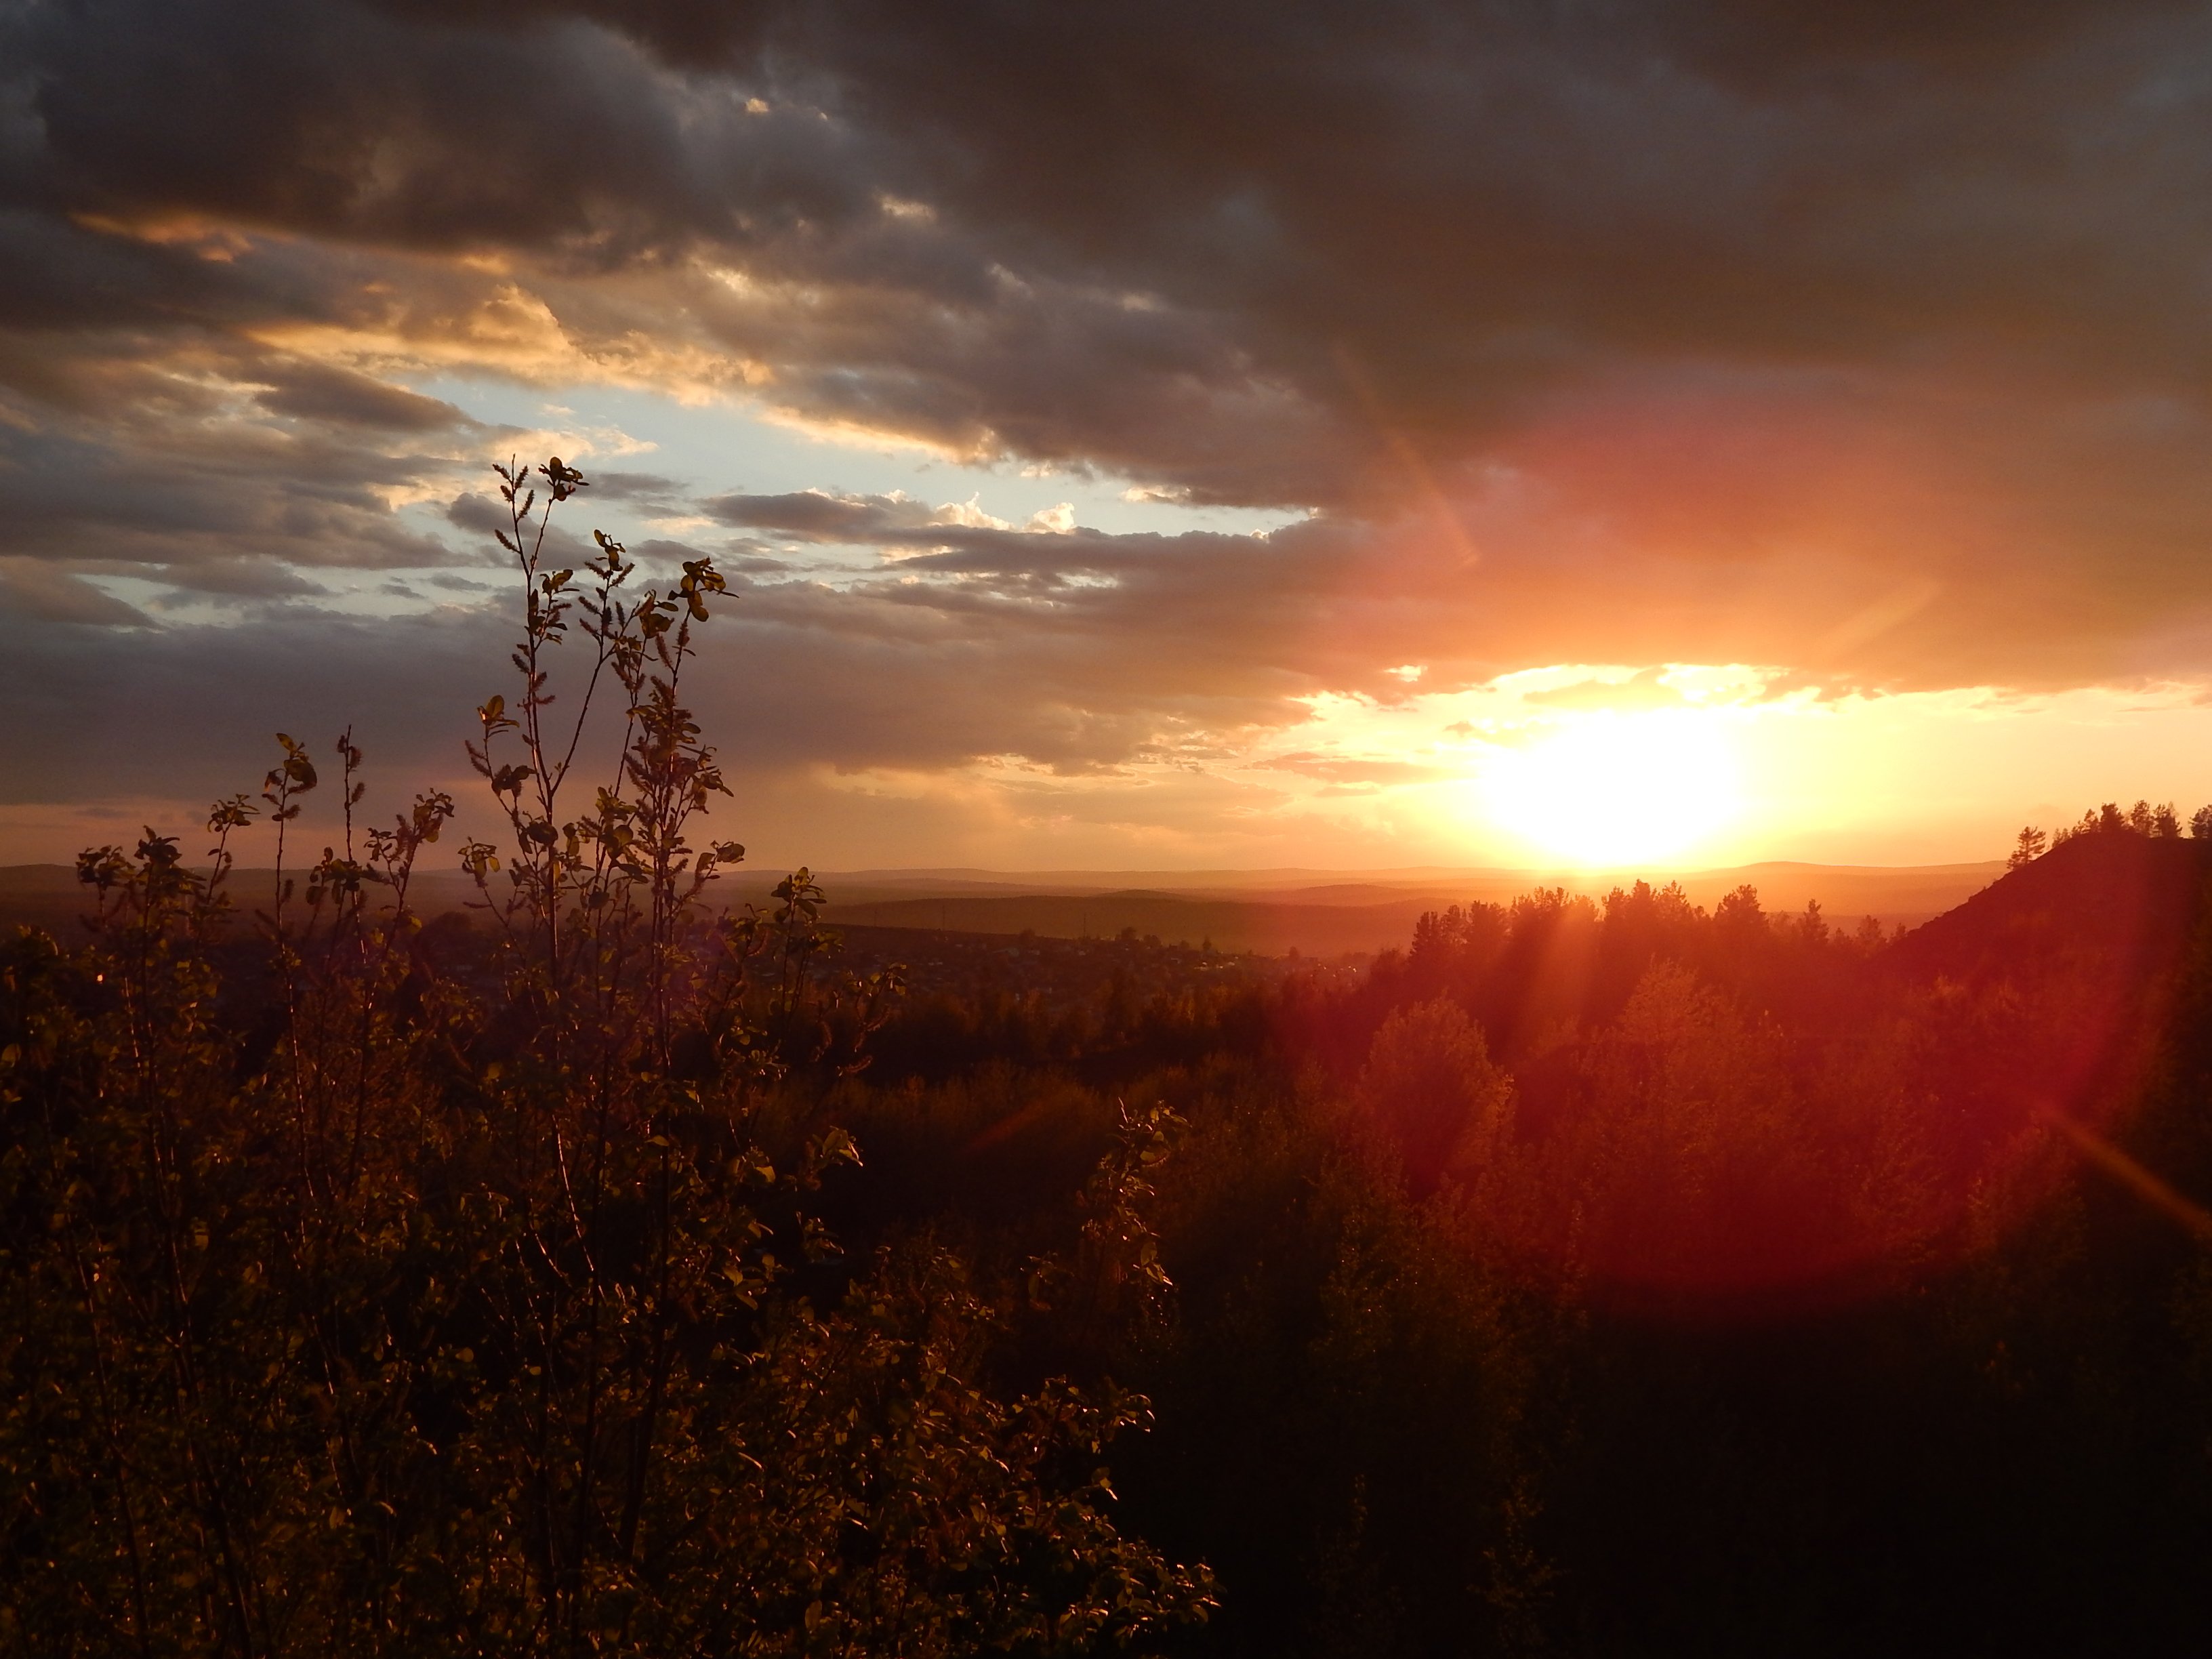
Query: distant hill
[(1329, 914), (1315, 912), (1272, 924)]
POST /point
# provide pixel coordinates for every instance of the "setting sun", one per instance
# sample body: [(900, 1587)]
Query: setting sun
[(1610, 789)]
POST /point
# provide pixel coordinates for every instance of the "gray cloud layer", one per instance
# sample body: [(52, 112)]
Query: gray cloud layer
[(1865, 341)]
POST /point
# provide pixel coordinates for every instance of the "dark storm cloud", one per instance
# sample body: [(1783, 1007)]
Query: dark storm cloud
[(1416, 220), (1864, 340), (44, 593), (1331, 604), (1439, 212), (634, 486), (787, 676), (335, 119), (315, 391), (188, 499), (816, 516)]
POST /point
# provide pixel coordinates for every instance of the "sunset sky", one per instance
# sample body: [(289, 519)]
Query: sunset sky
[(1137, 436)]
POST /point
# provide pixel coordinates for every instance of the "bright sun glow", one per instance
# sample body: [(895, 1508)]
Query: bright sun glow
[(1610, 790)]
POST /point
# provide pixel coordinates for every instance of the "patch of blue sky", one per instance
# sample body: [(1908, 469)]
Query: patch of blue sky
[(730, 445)]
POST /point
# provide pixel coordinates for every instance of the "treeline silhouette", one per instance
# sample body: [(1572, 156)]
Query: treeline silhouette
[(598, 1274), (1628, 1277)]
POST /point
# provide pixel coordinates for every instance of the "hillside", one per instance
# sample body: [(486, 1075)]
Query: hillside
[(2080, 955), (2118, 905)]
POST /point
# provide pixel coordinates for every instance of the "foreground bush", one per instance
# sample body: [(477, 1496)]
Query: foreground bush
[(352, 1301)]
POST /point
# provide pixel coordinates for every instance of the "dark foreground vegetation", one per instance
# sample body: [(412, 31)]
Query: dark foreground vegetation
[(597, 1274)]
